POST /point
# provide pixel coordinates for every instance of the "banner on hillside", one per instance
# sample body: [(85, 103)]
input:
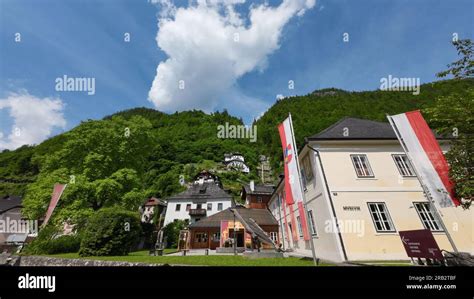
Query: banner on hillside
[(290, 155), (57, 192), (426, 155)]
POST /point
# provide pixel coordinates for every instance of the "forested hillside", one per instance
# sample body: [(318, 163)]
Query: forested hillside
[(132, 154), (318, 110)]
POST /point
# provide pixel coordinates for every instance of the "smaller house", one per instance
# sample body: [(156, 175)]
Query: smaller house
[(236, 161), (256, 196), (206, 177), (214, 231), (11, 217), (151, 207)]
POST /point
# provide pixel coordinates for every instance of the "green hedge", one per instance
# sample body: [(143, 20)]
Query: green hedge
[(110, 231), (47, 242)]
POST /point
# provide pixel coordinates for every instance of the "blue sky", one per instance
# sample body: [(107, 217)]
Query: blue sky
[(86, 39)]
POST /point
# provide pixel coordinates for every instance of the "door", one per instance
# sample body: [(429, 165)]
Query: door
[(290, 237), (240, 239), (200, 240)]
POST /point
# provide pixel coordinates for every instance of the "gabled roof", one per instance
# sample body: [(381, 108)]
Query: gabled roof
[(355, 128), (153, 201), (261, 216), (202, 192), (350, 128), (9, 202), (259, 189)]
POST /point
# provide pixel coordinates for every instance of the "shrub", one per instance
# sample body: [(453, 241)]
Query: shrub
[(110, 231), (171, 232), (64, 244), (48, 242)]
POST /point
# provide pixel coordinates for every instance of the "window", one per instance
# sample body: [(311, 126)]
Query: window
[(198, 206), (178, 207), (188, 207), (307, 170), (300, 228), (303, 178), (311, 222), (259, 199), (209, 206), (200, 237), (219, 206), (381, 217), (403, 165), (216, 237), (428, 219), (361, 165), (274, 237)]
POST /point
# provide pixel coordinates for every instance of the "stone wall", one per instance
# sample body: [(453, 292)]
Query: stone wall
[(64, 262)]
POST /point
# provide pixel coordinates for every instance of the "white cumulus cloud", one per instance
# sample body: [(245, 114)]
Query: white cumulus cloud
[(33, 118), (210, 46)]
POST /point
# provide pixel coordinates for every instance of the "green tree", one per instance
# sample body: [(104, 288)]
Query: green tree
[(464, 67), (111, 231), (171, 232), (452, 116)]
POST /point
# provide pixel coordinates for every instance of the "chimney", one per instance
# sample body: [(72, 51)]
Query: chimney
[(252, 185)]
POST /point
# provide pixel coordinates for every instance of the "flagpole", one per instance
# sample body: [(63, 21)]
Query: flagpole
[(281, 223), (305, 207), (423, 186)]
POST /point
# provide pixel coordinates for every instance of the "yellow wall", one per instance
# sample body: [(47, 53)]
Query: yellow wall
[(396, 192)]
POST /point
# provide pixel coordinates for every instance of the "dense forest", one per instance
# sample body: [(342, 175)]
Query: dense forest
[(127, 156)]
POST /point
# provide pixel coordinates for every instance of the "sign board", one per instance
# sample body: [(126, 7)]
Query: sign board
[(224, 232), (420, 243)]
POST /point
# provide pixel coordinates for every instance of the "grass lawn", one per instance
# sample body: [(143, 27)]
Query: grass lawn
[(210, 260)]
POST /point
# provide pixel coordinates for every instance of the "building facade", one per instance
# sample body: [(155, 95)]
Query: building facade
[(203, 198), (153, 206), (256, 196), (11, 218), (361, 190), (210, 233), (236, 161)]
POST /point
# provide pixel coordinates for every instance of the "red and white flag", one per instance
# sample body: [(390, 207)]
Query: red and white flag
[(57, 192), (293, 190), (292, 175), (425, 155)]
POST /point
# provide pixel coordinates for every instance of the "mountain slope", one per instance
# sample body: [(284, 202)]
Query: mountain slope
[(129, 155), (318, 110)]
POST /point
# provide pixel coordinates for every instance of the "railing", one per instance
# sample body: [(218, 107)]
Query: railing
[(197, 212)]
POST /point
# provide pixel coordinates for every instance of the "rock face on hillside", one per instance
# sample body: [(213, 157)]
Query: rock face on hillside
[(327, 92)]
